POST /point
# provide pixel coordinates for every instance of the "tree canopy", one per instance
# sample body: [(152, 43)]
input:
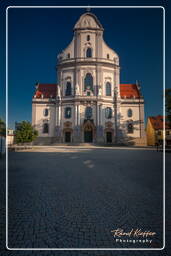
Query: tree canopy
[(25, 132), (168, 105)]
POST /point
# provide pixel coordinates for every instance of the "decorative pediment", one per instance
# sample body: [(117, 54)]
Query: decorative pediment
[(68, 78), (108, 78), (108, 124), (67, 124)]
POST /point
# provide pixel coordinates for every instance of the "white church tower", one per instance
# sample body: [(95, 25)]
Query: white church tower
[(88, 104)]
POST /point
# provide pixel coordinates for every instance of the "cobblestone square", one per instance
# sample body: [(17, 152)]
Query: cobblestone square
[(74, 197)]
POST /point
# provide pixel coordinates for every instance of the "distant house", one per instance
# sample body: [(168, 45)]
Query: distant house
[(155, 131), (10, 137)]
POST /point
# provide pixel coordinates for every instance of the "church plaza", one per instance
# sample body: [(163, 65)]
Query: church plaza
[(73, 197)]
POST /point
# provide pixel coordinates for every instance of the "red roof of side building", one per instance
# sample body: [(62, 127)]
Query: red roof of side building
[(157, 122), (47, 90), (129, 91)]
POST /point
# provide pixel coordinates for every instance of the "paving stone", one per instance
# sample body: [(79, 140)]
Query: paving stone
[(53, 202)]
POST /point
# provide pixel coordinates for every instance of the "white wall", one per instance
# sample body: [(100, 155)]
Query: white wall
[(134, 118), (39, 118)]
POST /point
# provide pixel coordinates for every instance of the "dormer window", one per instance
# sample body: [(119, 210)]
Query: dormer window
[(88, 37), (107, 56), (89, 53)]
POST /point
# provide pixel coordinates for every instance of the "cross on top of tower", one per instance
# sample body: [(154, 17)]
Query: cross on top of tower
[(88, 9)]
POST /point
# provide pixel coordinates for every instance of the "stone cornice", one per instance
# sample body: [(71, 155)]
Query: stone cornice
[(86, 62)]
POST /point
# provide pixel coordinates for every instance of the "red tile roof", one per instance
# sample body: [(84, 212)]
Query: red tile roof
[(126, 91), (157, 122), (129, 91), (48, 91)]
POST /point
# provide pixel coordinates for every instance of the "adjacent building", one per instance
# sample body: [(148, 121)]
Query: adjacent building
[(155, 131), (10, 137), (88, 103)]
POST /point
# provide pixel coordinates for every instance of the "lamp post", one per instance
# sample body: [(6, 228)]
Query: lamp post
[(115, 113)]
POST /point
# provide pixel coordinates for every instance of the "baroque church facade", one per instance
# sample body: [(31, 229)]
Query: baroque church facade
[(88, 104)]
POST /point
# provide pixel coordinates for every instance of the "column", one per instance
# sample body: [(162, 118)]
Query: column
[(97, 115), (57, 114), (100, 114), (79, 115), (75, 115)]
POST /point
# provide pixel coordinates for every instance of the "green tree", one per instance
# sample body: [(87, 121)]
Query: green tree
[(2, 128), (25, 132), (168, 105)]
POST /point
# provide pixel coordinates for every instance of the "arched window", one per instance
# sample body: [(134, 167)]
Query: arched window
[(129, 113), (68, 55), (88, 37), (159, 133), (88, 112), (45, 128), (130, 127), (68, 89), (108, 89), (107, 56), (167, 133), (88, 82), (89, 53), (68, 112), (45, 112), (108, 113)]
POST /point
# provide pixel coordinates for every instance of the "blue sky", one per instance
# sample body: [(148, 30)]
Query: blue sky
[(37, 36)]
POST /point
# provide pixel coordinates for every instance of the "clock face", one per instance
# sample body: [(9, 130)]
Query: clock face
[(88, 112)]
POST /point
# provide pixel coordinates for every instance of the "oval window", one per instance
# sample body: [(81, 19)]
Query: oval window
[(129, 112)]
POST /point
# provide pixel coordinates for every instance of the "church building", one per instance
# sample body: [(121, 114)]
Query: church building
[(88, 104)]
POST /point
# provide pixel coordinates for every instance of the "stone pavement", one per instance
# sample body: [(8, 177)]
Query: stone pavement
[(73, 198)]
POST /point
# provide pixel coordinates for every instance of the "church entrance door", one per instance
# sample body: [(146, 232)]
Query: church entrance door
[(88, 136), (67, 136), (88, 132), (108, 137)]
